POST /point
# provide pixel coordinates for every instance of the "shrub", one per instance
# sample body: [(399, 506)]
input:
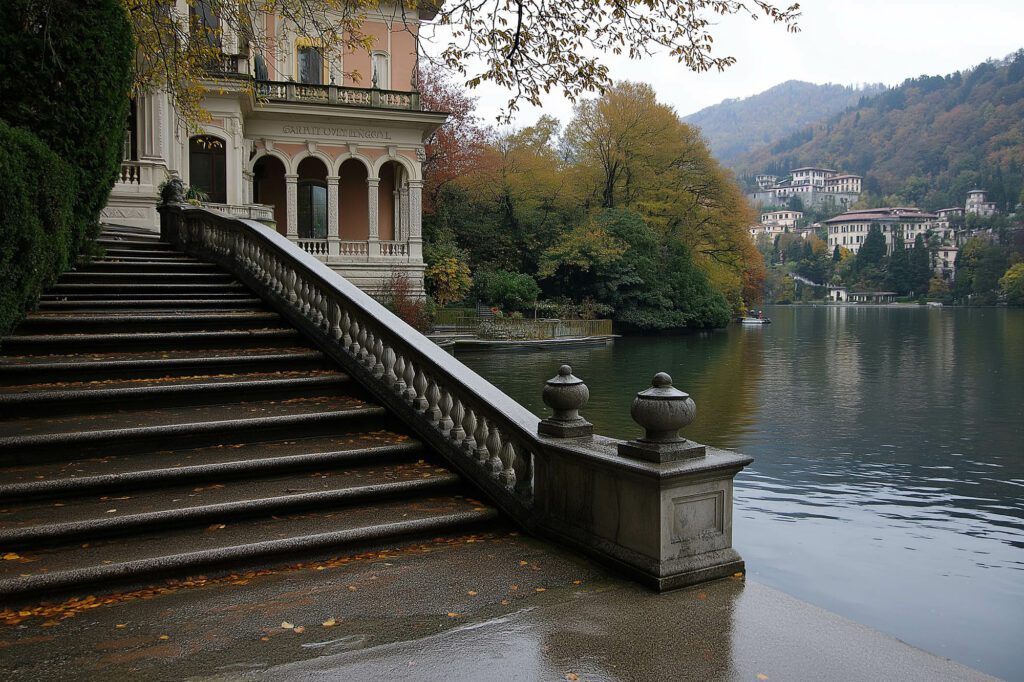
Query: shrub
[(36, 221), (510, 290), (396, 295), (65, 75)]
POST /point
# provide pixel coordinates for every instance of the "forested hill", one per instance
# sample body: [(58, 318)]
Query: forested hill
[(925, 142), (738, 126)]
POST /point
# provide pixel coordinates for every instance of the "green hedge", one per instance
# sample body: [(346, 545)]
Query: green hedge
[(65, 75), (37, 221)]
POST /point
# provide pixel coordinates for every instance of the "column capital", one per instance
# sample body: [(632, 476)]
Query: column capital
[(291, 177), (373, 182), (416, 183), (333, 178)]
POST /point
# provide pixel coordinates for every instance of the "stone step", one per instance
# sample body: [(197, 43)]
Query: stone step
[(33, 523), (135, 289), (235, 458), (41, 439), (51, 343), (143, 278), (117, 294), (111, 251), (132, 243), (146, 266), (219, 547), (22, 370), (160, 321), (145, 305), (163, 394)]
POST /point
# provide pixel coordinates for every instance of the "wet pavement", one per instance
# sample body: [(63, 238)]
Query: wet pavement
[(493, 605)]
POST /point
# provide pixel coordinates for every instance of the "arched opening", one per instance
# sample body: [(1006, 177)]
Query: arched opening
[(207, 167), (312, 199), (353, 203), (388, 200), (268, 187)]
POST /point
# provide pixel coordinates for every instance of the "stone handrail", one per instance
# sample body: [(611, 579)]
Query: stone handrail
[(658, 508)]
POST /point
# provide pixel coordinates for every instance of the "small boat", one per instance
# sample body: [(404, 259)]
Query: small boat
[(755, 320)]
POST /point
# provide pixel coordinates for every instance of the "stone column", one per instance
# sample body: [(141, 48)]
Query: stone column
[(416, 221), (292, 184), (333, 229), (396, 223), (403, 201), (372, 187), (247, 180)]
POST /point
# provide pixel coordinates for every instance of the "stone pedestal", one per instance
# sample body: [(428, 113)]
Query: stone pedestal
[(668, 525)]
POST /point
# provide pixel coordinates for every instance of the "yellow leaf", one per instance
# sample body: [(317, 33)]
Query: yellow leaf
[(299, 629), (121, 626), (472, 593), (164, 637), (452, 614), (540, 589), (329, 623), (11, 556), (762, 676), (287, 626), (572, 676)]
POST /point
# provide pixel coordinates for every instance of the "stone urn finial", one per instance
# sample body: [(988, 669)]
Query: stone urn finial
[(662, 410), (565, 394)]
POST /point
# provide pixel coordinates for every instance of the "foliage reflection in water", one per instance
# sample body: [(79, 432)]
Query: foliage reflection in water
[(889, 469)]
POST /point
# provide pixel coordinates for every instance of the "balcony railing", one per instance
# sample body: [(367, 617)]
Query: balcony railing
[(260, 212), (281, 91), (138, 176)]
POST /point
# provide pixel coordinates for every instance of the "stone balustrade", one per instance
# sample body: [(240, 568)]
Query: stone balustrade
[(664, 519), (282, 91)]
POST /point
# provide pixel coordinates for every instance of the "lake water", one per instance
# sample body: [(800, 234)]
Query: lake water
[(888, 481)]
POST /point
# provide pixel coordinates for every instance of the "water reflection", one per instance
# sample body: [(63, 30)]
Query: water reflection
[(889, 464)]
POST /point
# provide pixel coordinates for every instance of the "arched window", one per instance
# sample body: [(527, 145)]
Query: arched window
[(207, 167)]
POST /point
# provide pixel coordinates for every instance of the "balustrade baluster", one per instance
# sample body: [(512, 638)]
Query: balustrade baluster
[(346, 331), (469, 428), (481, 435), (433, 396), (458, 413), (410, 387), (361, 352), (335, 321), (389, 360), (399, 387), (445, 423), (494, 445), (524, 472), (378, 357), (508, 459)]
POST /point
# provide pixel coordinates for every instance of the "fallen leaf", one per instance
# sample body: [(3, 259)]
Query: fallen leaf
[(505, 602), (111, 511), (523, 563), (121, 626), (572, 676), (762, 676), (329, 623), (472, 593), (164, 637), (452, 614), (577, 582), (287, 626), (299, 629), (702, 595), (12, 556)]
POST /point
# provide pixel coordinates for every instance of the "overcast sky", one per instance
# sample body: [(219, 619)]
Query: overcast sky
[(841, 41)]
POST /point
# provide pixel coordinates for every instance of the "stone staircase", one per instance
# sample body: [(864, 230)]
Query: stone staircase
[(157, 420)]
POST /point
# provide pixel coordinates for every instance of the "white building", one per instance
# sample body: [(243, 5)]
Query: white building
[(978, 203), (850, 229), (814, 187), (782, 218), (296, 141)]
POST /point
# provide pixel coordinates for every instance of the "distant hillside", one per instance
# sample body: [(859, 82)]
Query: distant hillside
[(739, 126), (925, 142)]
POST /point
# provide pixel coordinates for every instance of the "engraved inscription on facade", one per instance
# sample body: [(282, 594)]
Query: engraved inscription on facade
[(330, 131)]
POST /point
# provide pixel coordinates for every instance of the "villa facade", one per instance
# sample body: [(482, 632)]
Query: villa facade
[(850, 229), (814, 186), (297, 139)]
